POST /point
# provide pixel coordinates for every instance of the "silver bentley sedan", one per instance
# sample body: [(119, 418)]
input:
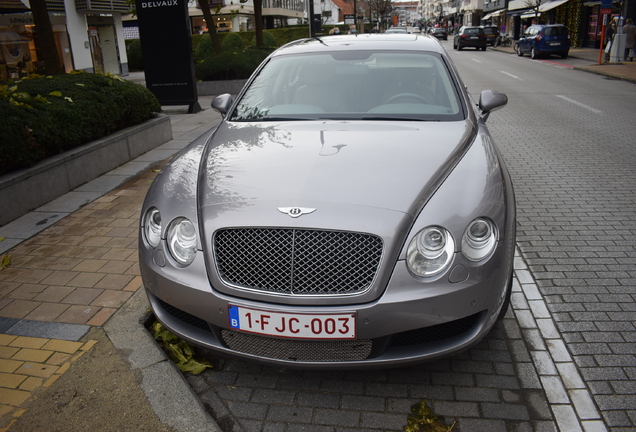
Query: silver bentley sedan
[(351, 210)]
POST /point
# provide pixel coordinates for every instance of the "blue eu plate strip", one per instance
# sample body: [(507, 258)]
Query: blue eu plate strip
[(233, 312)]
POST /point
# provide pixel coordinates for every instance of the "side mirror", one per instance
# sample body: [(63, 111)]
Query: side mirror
[(222, 103), (491, 100)]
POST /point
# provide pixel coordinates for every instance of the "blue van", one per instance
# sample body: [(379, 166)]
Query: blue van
[(541, 39)]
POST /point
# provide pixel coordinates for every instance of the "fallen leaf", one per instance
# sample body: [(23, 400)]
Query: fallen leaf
[(179, 351), (6, 261), (422, 419)]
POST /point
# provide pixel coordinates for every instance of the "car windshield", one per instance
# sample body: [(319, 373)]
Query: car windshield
[(352, 85)]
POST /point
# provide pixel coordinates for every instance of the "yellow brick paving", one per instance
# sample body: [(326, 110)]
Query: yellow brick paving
[(28, 363)]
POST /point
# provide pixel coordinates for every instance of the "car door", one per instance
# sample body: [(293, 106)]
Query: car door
[(525, 43)]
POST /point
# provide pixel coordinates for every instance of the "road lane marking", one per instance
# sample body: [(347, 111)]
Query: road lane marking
[(581, 104), (511, 75), (560, 65), (475, 60)]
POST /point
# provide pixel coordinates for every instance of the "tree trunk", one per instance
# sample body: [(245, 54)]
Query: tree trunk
[(46, 38), (209, 19), (258, 18)]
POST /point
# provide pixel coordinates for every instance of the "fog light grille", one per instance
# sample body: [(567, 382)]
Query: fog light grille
[(298, 350), (184, 316), (297, 261), (434, 333)]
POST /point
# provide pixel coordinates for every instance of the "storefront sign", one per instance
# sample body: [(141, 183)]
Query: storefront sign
[(167, 51)]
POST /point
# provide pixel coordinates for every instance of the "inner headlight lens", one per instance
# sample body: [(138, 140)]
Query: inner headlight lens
[(152, 226), (182, 240), (430, 252), (479, 239)]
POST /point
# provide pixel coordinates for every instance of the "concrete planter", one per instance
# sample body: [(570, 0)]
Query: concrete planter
[(24, 190), (213, 88)]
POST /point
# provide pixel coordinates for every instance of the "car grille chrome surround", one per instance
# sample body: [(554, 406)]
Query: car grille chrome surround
[(298, 349), (297, 261)]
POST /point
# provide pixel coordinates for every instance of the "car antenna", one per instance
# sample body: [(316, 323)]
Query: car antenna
[(319, 40)]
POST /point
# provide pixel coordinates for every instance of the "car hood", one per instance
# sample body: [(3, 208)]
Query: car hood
[(391, 165)]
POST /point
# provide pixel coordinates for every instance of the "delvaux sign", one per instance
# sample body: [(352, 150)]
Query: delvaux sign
[(166, 47)]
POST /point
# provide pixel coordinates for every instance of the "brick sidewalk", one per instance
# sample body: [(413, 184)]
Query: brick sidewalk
[(82, 269)]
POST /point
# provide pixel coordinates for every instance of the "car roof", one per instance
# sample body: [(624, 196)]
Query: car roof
[(366, 41)]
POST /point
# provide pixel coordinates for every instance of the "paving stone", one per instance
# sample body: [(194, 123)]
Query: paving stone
[(337, 417)]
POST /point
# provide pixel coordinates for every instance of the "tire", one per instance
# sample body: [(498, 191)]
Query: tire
[(459, 48), (484, 48), (564, 55), (506, 303), (533, 54)]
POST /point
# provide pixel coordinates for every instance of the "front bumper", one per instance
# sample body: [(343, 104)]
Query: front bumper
[(408, 324)]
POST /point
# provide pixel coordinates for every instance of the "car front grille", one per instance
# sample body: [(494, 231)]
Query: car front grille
[(297, 349), (297, 261)]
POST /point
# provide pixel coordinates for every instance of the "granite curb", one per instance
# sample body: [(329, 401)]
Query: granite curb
[(160, 377)]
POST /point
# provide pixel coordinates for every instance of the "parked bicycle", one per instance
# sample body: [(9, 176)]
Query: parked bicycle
[(503, 40)]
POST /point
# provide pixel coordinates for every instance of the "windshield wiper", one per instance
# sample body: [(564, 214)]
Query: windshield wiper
[(388, 118), (267, 118)]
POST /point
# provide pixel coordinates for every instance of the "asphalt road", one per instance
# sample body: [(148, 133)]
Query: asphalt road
[(568, 139)]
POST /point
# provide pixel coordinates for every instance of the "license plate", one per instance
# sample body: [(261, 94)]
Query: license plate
[(473, 37), (555, 43), (305, 326)]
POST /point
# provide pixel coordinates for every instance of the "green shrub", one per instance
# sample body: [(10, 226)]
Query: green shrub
[(204, 48), (232, 42), (228, 65), (268, 40), (44, 116), (135, 58)]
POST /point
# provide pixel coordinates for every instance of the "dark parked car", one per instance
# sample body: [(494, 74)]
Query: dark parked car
[(440, 33), (541, 40), (492, 33), (351, 210), (470, 37)]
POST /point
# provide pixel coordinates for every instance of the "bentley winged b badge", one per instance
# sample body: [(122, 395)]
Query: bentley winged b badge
[(296, 211)]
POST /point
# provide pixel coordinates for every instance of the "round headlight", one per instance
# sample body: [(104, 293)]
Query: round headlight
[(479, 239), (430, 252), (182, 240), (152, 226)]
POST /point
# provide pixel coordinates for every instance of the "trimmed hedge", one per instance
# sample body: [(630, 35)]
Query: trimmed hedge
[(231, 65), (44, 116)]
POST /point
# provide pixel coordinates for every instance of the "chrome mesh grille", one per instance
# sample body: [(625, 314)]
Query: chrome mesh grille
[(297, 261), (298, 350)]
